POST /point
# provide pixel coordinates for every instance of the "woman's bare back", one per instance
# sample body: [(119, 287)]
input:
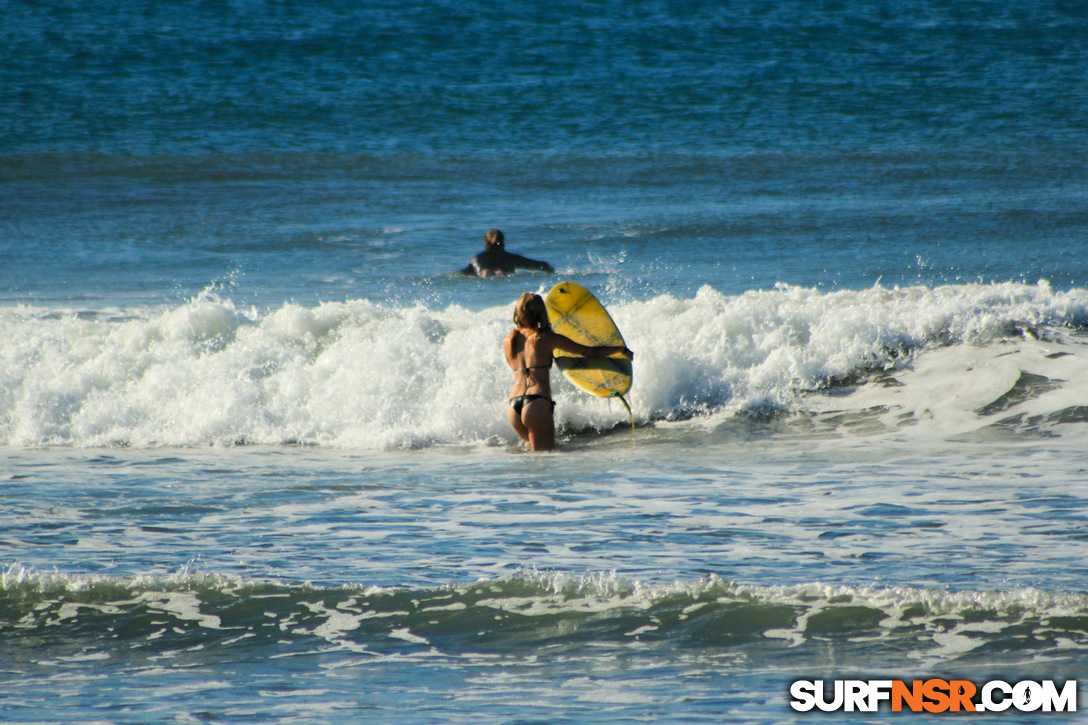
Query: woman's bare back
[(530, 357)]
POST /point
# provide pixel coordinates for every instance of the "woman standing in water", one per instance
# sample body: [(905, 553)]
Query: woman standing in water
[(528, 351)]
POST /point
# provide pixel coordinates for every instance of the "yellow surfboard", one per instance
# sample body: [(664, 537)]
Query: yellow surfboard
[(576, 313)]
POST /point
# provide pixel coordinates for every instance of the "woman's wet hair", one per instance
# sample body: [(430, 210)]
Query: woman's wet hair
[(530, 312)]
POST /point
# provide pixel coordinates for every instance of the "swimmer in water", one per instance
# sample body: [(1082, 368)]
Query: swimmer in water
[(495, 261)]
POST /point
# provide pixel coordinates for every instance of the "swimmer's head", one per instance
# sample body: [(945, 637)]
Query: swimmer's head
[(494, 240)]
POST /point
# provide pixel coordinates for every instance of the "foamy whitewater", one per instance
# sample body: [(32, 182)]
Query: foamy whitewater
[(254, 458), (365, 376)]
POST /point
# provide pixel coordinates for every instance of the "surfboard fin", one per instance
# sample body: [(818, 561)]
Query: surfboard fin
[(630, 416)]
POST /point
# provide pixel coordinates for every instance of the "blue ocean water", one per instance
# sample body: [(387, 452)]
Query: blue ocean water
[(255, 465)]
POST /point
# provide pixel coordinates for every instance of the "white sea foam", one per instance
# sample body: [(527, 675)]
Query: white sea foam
[(361, 375)]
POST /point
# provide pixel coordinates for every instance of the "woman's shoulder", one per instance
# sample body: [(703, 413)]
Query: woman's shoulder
[(511, 339)]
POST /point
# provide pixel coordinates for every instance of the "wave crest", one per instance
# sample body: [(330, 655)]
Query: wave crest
[(534, 611)]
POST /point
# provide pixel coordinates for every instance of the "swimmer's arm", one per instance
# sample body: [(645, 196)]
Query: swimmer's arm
[(526, 263)]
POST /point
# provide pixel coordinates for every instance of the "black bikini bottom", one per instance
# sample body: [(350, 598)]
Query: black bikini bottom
[(520, 401)]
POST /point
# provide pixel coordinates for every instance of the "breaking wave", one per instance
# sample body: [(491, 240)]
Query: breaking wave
[(535, 611), (363, 375)]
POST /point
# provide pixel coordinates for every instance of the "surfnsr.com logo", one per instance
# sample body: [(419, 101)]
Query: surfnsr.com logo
[(933, 695)]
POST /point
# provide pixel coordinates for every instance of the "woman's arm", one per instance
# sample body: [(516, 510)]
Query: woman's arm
[(561, 342)]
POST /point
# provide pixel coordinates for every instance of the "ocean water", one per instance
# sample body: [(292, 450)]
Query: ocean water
[(254, 461)]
